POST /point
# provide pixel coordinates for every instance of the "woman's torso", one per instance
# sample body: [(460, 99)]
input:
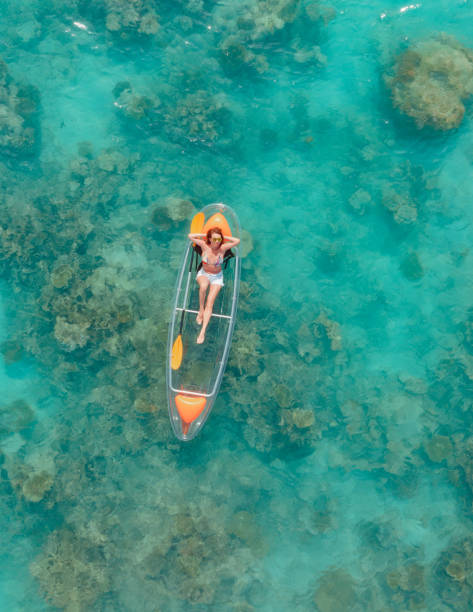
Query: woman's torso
[(212, 260)]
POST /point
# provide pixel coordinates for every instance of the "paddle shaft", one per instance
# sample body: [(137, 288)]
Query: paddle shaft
[(187, 291)]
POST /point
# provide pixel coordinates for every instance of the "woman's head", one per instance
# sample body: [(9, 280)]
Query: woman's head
[(214, 236)]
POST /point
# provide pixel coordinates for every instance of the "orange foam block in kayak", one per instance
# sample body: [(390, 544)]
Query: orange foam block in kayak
[(217, 220), (189, 406)]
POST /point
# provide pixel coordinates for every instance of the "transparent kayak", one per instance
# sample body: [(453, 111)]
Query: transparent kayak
[(194, 381)]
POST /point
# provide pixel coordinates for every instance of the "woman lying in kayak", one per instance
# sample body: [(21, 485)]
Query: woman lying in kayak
[(210, 275)]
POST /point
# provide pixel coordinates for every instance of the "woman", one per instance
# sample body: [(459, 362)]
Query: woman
[(210, 275)]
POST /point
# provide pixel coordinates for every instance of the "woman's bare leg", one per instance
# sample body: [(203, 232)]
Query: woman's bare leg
[(203, 286), (213, 292)]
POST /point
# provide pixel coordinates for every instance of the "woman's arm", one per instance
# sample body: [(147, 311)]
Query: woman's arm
[(230, 241), (197, 239)]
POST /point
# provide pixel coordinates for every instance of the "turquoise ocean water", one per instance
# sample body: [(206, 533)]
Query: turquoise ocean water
[(335, 472)]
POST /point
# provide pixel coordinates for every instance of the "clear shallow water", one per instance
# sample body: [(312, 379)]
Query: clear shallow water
[(335, 470)]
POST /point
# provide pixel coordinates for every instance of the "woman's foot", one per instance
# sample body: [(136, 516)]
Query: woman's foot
[(201, 337), (200, 317)]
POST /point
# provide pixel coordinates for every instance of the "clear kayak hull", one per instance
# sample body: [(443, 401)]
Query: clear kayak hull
[(194, 380)]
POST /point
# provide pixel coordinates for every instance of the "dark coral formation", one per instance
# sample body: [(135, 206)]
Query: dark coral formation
[(453, 573), (19, 124), (249, 29), (431, 81), (123, 20), (72, 571)]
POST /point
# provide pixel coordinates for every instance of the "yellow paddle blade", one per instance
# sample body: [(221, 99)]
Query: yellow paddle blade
[(176, 354), (197, 223)]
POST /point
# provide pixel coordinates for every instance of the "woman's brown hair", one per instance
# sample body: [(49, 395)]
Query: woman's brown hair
[(214, 230)]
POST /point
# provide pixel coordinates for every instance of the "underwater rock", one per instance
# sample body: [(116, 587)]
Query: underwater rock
[(431, 80), (411, 267), (61, 276), (71, 335), (96, 306), (27, 31), (377, 535), (126, 20), (408, 584), (196, 558), (330, 256), (33, 477), (144, 405), (319, 517), (467, 332), (359, 201), (113, 161), (307, 54), (35, 487), (307, 349), (257, 20), (438, 448), (259, 434), (18, 116), (179, 209), (250, 27), (454, 575), (408, 578), (325, 328), (243, 525), (416, 386), (135, 106), (200, 118), (283, 395), (15, 416), (315, 11), (456, 570), (234, 56), (336, 591), (246, 350), (160, 219), (12, 351), (72, 573), (403, 209), (322, 522), (298, 427)]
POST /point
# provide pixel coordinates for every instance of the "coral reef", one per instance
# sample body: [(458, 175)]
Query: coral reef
[(90, 251), (174, 210), (33, 477), (404, 211), (431, 80), (336, 591), (19, 126), (12, 351), (298, 427), (125, 20), (199, 118), (36, 486), (246, 40), (139, 108), (411, 267), (360, 201), (453, 572), (15, 416), (90, 308), (72, 572), (438, 448), (408, 586), (318, 340)]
